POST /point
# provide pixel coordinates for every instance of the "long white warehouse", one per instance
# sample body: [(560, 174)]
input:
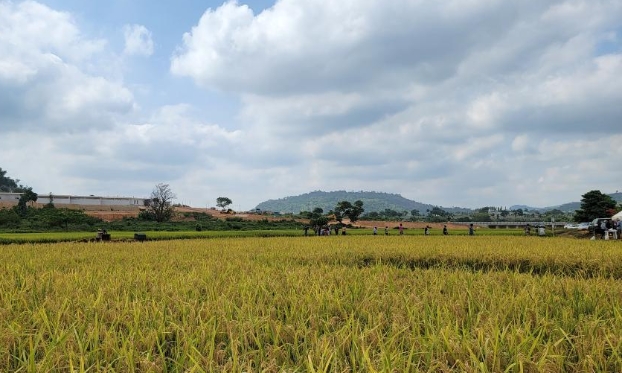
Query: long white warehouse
[(64, 199)]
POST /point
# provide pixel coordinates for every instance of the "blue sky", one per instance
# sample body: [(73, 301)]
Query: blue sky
[(167, 21), (455, 103)]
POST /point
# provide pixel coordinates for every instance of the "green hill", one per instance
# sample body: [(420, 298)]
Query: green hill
[(566, 207), (372, 201)]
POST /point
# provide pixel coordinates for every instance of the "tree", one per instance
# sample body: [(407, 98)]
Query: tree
[(50, 203), (373, 215), (481, 214), (316, 217), (594, 204), (9, 185), (340, 210), (223, 202), (9, 218), (27, 196), (160, 206), (356, 211), (518, 212), (388, 214), (349, 210), (6, 183), (438, 215)]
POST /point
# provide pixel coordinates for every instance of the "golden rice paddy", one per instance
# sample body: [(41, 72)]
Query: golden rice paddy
[(313, 304)]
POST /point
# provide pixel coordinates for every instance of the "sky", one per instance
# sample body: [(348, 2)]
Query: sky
[(464, 103)]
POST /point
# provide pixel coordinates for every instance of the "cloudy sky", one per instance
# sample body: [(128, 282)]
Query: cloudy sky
[(454, 102)]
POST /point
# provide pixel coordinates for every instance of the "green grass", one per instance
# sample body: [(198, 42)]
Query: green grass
[(51, 237)]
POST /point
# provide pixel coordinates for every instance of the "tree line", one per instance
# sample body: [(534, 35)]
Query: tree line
[(160, 208)]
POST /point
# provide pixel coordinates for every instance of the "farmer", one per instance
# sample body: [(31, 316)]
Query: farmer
[(603, 228)]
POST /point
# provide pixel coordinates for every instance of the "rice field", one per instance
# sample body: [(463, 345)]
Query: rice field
[(52, 237), (313, 304)]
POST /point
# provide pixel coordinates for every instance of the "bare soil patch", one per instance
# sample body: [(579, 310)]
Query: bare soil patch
[(113, 213)]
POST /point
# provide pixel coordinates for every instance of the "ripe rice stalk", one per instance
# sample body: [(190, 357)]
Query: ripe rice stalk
[(344, 304)]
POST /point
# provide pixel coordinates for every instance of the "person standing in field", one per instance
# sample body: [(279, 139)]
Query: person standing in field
[(401, 229), (445, 232), (426, 230), (471, 230), (375, 231), (386, 230)]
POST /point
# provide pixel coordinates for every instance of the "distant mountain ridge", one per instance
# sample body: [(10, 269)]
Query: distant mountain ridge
[(372, 201), (566, 207), (379, 201)]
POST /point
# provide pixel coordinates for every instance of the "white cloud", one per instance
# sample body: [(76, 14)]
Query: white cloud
[(424, 93), (32, 26), (464, 103), (44, 80), (170, 138), (325, 66), (521, 143), (303, 46), (137, 40), (127, 159), (484, 111)]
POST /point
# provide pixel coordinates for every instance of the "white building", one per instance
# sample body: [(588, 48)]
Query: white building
[(9, 197), (64, 199)]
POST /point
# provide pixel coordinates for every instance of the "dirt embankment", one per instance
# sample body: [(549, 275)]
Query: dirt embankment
[(113, 213), (223, 215), (106, 213)]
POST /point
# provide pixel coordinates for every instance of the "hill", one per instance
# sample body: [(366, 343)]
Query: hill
[(566, 207), (372, 201)]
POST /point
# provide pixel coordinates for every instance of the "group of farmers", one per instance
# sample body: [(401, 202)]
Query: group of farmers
[(327, 230)]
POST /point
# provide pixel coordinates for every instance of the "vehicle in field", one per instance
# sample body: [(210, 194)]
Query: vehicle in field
[(583, 226), (595, 228)]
